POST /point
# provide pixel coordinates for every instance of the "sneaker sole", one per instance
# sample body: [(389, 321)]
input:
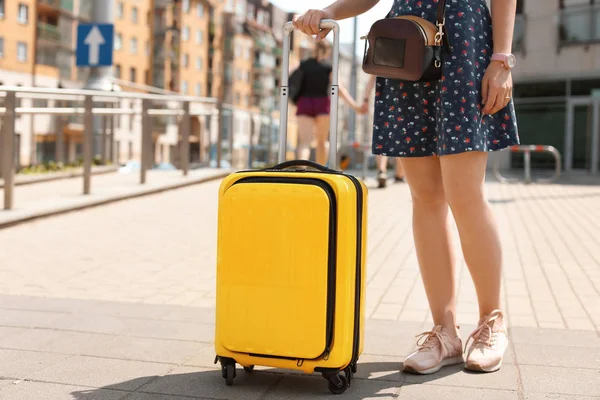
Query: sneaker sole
[(445, 363), (479, 368)]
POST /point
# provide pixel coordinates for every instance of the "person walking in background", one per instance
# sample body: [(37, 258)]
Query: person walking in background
[(444, 130), (381, 161), (313, 103)]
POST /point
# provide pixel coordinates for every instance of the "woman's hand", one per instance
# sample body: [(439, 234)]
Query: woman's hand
[(364, 108), (496, 90), (310, 21)]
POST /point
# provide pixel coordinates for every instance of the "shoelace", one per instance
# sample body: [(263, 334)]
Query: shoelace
[(484, 333), (426, 341)]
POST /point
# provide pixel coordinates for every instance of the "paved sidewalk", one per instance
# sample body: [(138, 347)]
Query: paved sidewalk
[(55, 197), (117, 302)]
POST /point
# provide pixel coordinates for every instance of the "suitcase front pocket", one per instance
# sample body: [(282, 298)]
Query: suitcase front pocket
[(277, 266)]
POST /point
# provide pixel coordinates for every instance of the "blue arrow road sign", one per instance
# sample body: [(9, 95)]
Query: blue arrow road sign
[(94, 45)]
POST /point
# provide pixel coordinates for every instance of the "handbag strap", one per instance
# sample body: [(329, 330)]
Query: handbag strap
[(441, 12)]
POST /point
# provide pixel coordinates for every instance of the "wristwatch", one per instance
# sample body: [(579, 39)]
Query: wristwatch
[(509, 60)]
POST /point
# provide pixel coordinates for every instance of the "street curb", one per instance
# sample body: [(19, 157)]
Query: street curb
[(63, 176), (114, 199)]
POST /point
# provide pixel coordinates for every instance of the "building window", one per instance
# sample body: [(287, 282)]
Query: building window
[(184, 87), (147, 46), (1, 47), (23, 14), (118, 41), (117, 71), (199, 10), (198, 37), (21, 51), (198, 90), (120, 10), (185, 34), (186, 5), (134, 15), (1, 8), (198, 63), (132, 74), (133, 46), (186, 60)]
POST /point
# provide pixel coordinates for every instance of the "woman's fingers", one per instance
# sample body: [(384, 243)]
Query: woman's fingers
[(309, 23)]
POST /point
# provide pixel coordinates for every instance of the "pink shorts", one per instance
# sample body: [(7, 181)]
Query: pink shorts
[(313, 106)]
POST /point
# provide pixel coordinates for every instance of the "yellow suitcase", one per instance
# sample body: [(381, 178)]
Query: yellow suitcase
[(291, 262)]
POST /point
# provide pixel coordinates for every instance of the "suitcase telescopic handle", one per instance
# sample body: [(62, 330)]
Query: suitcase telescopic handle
[(284, 91)]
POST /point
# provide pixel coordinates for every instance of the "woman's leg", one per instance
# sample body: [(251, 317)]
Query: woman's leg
[(382, 171), (399, 169), (463, 176), (306, 129), (322, 136), (442, 345), (432, 238)]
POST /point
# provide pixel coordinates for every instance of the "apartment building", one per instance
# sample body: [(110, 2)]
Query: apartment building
[(557, 43), (37, 39)]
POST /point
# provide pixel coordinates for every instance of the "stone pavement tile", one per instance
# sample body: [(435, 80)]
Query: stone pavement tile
[(102, 372), (393, 338), (554, 337), (32, 303), (97, 324), (22, 364), (187, 381), (28, 390), (144, 349), (559, 380), (431, 392), (29, 319), (505, 378), (522, 321), (203, 357), (386, 368), (176, 330), (53, 341), (547, 396), (204, 315), (5, 382), (315, 387), (129, 310), (583, 324), (558, 356)]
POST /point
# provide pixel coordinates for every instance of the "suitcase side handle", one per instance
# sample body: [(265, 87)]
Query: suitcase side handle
[(300, 163), (288, 28)]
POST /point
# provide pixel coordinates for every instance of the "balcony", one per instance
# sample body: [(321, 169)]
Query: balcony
[(579, 25), (48, 32), (66, 5)]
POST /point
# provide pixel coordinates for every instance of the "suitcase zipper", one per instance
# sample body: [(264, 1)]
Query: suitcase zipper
[(331, 258)]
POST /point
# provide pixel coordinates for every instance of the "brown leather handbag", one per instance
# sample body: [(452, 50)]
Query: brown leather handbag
[(407, 47)]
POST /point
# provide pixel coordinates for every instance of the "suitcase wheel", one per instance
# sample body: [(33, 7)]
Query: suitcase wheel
[(228, 371), (249, 369), (338, 383)]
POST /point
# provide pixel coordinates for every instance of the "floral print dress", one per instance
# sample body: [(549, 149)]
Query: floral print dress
[(420, 119)]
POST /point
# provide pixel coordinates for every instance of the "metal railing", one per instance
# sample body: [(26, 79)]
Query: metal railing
[(527, 150), (188, 106)]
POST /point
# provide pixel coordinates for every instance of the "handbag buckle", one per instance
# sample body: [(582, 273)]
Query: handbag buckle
[(440, 33)]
